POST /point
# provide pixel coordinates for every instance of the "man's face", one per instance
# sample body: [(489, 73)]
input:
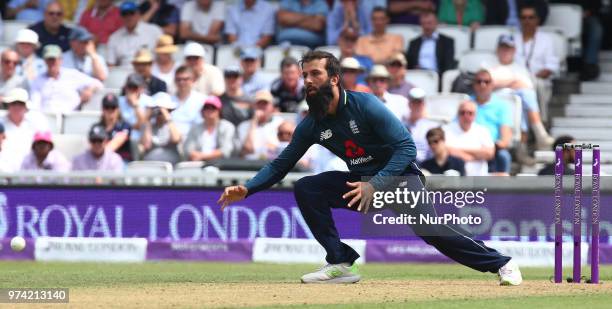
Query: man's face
[(130, 19), (97, 147), (195, 63), (529, 19), (467, 115), (349, 78), (78, 47), (41, 149), (249, 3), (205, 4), (104, 3), (134, 89), (233, 81), (249, 66), (285, 132), (505, 54), (347, 46), (9, 62), (53, 65), (379, 21), (143, 68), (429, 23), (397, 70), (483, 84), (436, 144), (25, 49), (17, 110), (267, 109), (53, 16), (417, 108), (290, 75), (318, 86), (379, 85), (183, 81)]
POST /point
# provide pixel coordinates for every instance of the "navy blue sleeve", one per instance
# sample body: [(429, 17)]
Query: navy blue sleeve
[(393, 133), (276, 170)]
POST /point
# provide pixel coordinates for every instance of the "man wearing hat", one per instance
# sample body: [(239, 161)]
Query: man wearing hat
[(378, 81), (134, 35), (83, 56), (102, 20), (61, 90), (164, 65), (258, 135), (161, 136), (19, 127), (9, 79), (252, 80), (418, 124), (43, 156), (30, 65), (209, 78), (51, 29), (143, 65), (236, 106), (351, 69), (187, 99), (97, 157), (211, 139), (396, 66)]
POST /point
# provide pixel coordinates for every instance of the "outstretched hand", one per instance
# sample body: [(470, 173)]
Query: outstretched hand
[(232, 194), (363, 193)]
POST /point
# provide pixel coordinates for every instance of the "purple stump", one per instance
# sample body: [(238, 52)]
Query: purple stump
[(577, 211), (595, 217), (559, 165)]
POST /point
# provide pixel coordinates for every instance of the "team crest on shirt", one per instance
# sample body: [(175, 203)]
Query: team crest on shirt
[(354, 127), (327, 134)]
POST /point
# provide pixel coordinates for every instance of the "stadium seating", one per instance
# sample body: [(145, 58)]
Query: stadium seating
[(408, 32), (568, 18), (54, 121), (444, 106), (227, 55), (273, 55), (117, 76), (475, 60), (448, 78), (485, 37), (70, 145), (80, 122), (425, 79), (148, 173), (332, 49), (10, 29), (461, 35), (561, 44)]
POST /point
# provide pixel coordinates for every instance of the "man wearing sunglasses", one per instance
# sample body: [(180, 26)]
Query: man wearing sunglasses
[(8, 78), (97, 157), (51, 29)]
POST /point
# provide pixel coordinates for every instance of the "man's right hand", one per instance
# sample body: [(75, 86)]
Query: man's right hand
[(232, 194)]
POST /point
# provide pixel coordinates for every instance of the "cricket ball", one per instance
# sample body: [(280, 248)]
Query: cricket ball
[(18, 243)]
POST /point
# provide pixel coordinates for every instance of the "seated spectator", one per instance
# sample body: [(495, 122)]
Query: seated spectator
[(20, 125), (536, 49), (9, 79), (143, 66), (432, 50), (465, 12), (506, 12), (347, 43), (302, 22), (408, 11), (31, 11), (568, 157), (256, 137), (378, 81), (117, 130), (418, 124), (507, 73), (133, 35), (351, 69), (379, 45), (442, 161), (202, 21), (347, 14), (495, 115), (250, 22), (164, 65), (30, 65), (469, 141), (133, 103), (396, 66), (236, 106), (43, 156), (4, 157), (160, 137), (252, 80), (288, 90), (98, 157), (83, 56), (188, 101), (161, 13), (212, 138), (73, 9), (285, 134), (209, 78), (60, 89), (102, 20), (51, 29)]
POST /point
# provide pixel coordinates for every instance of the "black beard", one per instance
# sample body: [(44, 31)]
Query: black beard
[(318, 103)]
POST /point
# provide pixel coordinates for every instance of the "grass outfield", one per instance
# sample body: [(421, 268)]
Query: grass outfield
[(192, 285)]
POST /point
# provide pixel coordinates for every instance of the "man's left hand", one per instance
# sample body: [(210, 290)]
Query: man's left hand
[(363, 192)]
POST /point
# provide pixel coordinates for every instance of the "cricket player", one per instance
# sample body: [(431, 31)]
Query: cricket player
[(359, 129)]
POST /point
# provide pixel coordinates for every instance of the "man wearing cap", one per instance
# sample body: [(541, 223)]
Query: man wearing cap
[(31, 11), (378, 81), (51, 29), (250, 22), (20, 124), (164, 65), (61, 90), (347, 44), (237, 107), (97, 157), (83, 56), (30, 65), (188, 100), (161, 136), (9, 79), (252, 80), (202, 21), (209, 78), (288, 89), (351, 69), (396, 66), (102, 20), (43, 156), (257, 136), (134, 35), (418, 124), (377, 149), (117, 129), (211, 139), (380, 45), (432, 50), (143, 65)]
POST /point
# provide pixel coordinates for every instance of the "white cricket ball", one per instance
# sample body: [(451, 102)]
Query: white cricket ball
[(18, 243)]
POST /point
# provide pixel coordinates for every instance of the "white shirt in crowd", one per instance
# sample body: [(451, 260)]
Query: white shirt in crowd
[(211, 82), (18, 142), (505, 74), (418, 131), (538, 53), (477, 137), (397, 104), (168, 78), (188, 112), (122, 44), (200, 20), (265, 137), (60, 95)]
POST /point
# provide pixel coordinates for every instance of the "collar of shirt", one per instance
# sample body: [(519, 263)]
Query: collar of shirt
[(136, 29), (254, 8), (434, 36), (59, 75)]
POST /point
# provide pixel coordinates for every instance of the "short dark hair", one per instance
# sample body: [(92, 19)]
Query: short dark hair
[(288, 62), (332, 64), (379, 9), (183, 69), (531, 6), (435, 132), (563, 139)]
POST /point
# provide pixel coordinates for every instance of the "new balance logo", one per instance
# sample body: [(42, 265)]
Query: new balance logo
[(327, 134)]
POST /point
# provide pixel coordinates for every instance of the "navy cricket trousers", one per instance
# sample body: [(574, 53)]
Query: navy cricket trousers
[(316, 195)]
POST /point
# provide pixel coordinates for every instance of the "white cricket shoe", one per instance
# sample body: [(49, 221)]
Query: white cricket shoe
[(333, 273), (510, 274)]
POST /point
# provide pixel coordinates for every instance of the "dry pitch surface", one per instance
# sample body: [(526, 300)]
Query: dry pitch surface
[(195, 285)]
